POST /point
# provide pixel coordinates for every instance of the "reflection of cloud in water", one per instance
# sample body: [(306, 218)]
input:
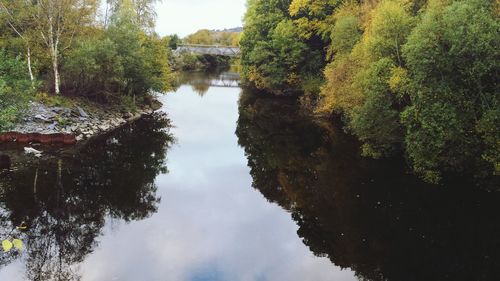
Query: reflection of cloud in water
[(225, 228), (211, 224)]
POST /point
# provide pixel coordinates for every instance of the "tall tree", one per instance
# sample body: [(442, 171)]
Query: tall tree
[(16, 15), (58, 22), (144, 10)]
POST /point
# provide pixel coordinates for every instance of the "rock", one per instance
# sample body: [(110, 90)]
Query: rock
[(128, 115), (66, 112), (52, 126), (57, 109), (104, 127), (29, 150), (82, 112), (42, 118), (80, 124)]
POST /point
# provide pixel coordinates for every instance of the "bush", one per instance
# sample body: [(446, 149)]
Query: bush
[(124, 62), (452, 57), (15, 89), (93, 68)]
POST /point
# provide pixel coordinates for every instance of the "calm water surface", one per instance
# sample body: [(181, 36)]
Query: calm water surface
[(229, 185)]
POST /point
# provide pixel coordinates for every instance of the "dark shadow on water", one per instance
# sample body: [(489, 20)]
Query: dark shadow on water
[(65, 200), (371, 216)]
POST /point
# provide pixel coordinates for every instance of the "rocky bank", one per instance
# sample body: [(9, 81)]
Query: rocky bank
[(79, 122)]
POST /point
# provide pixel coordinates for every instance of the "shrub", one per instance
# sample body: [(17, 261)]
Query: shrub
[(15, 89)]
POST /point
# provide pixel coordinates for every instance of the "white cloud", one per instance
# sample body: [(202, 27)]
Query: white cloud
[(184, 17)]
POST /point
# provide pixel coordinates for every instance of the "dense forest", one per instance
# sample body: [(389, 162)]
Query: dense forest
[(106, 52), (417, 77)]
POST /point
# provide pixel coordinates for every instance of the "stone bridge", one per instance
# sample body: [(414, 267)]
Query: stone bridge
[(214, 50)]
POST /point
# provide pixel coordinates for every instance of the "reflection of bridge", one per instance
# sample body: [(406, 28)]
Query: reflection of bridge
[(214, 50), (226, 80), (202, 82)]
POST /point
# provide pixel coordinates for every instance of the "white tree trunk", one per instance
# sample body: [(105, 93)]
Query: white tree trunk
[(54, 45), (29, 65), (57, 79)]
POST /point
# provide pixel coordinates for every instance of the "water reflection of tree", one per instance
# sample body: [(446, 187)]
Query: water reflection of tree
[(370, 216), (65, 200)]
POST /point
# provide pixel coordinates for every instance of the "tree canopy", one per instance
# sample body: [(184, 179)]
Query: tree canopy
[(72, 50), (412, 76)]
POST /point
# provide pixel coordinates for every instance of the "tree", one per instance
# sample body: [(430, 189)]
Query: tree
[(173, 41), (145, 14), (202, 37), (452, 57), (16, 15), (314, 17), (58, 22), (338, 94), (274, 56), (144, 58), (93, 68), (15, 90)]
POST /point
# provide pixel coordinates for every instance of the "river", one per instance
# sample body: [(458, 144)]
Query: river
[(225, 184)]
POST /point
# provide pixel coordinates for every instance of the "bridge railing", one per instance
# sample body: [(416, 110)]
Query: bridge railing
[(209, 50), (207, 46)]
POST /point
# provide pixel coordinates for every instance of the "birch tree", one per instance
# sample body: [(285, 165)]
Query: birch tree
[(16, 15), (58, 22)]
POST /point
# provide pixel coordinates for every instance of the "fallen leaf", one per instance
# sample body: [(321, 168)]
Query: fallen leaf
[(18, 244), (6, 245)]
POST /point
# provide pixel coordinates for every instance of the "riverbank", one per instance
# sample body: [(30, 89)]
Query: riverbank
[(72, 123)]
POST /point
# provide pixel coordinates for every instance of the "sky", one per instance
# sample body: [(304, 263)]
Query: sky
[(184, 17)]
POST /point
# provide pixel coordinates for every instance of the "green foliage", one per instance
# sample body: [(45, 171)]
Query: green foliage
[(128, 104), (15, 90), (53, 100), (209, 37), (411, 75), (390, 25), (202, 37), (187, 61), (345, 34), (274, 57), (96, 61), (425, 83), (94, 67), (124, 61), (313, 17), (452, 56), (375, 121), (172, 41), (487, 127)]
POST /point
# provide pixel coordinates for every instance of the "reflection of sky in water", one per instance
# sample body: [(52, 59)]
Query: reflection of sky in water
[(211, 225)]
